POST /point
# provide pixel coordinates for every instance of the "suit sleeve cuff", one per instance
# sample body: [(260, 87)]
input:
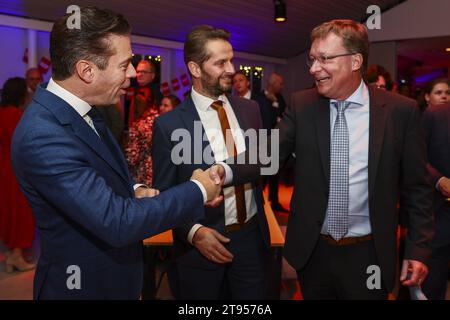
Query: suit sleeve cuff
[(138, 185), (202, 189), (228, 173), (193, 231)]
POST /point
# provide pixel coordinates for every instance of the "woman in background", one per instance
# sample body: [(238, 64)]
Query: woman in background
[(139, 142), (437, 92), (16, 219), (168, 103)]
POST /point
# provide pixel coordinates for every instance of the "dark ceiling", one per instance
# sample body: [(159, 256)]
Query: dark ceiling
[(251, 22)]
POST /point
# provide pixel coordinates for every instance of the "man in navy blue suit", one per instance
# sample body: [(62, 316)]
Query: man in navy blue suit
[(75, 177), (223, 254)]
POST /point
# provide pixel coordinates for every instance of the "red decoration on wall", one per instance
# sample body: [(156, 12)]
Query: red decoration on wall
[(44, 65), (184, 80), (175, 84), (165, 88)]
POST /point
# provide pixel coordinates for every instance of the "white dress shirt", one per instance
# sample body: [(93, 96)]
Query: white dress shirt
[(357, 115), (211, 123)]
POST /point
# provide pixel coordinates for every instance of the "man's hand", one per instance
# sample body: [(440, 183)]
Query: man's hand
[(418, 271), (212, 190), (444, 187), (217, 174), (209, 242), (271, 97), (144, 192)]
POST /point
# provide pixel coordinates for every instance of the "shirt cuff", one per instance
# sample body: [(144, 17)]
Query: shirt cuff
[(138, 185), (202, 189), (228, 173), (193, 231)]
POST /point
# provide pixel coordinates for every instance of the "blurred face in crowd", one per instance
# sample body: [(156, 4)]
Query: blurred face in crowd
[(381, 83), (166, 105), (33, 78), (276, 83), (439, 95), (110, 84), (145, 73), (241, 84), (214, 76), (335, 78)]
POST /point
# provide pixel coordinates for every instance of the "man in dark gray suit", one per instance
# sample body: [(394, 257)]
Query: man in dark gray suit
[(436, 120), (360, 152)]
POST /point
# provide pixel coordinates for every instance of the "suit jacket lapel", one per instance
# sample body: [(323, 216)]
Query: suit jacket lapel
[(323, 133), (239, 112), (377, 124), (66, 115), (190, 117), (88, 136)]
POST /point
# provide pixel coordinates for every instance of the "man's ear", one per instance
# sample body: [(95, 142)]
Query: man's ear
[(85, 70), (194, 69), (357, 61)]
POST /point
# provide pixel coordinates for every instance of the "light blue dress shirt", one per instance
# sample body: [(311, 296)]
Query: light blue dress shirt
[(357, 115)]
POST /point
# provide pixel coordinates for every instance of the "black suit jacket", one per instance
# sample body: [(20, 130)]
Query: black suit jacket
[(167, 174), (397, 174), (436, 121), (270, 114)]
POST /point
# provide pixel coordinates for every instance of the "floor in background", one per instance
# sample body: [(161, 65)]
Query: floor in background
[(19, 286)]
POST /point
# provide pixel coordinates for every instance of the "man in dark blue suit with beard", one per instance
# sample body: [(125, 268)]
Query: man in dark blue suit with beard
[(223, 254)]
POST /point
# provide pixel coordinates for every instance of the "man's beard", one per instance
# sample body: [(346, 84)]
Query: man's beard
[(212, 86)]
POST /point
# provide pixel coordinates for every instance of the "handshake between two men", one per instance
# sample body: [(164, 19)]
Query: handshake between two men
[(207, 240), (211, 179)]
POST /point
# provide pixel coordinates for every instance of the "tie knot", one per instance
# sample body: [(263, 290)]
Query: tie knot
[(217, 105), (341, 105), (93, 113)]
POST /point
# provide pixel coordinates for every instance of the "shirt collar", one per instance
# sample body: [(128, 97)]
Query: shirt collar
[(202, 102), (80, 106), (360, 97), (248, 94)]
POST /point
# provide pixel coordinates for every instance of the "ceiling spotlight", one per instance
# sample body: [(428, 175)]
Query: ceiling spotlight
[(280, 11)]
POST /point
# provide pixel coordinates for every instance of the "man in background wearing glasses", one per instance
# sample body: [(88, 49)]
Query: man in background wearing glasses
[(359, 153)]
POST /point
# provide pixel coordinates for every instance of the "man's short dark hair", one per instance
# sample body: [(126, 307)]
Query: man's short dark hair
[(90, 41), (195, 45)]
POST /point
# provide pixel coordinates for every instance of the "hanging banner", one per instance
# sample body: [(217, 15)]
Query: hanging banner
[(184, 79), (165, 88), (175, 84), (44, 65)]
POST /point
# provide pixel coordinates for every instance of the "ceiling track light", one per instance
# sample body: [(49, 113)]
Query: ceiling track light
[(280, 11)]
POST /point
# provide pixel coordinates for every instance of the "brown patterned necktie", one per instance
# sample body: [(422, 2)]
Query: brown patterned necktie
[(231, 149)]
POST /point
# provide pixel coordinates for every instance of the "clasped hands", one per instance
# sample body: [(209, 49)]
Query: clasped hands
[(208, 241), (212, 180)]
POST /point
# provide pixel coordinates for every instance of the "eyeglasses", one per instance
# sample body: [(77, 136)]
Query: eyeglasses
[(323, 59), (145, 72)]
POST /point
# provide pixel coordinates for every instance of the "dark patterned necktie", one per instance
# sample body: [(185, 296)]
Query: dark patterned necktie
[(338, 199)]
